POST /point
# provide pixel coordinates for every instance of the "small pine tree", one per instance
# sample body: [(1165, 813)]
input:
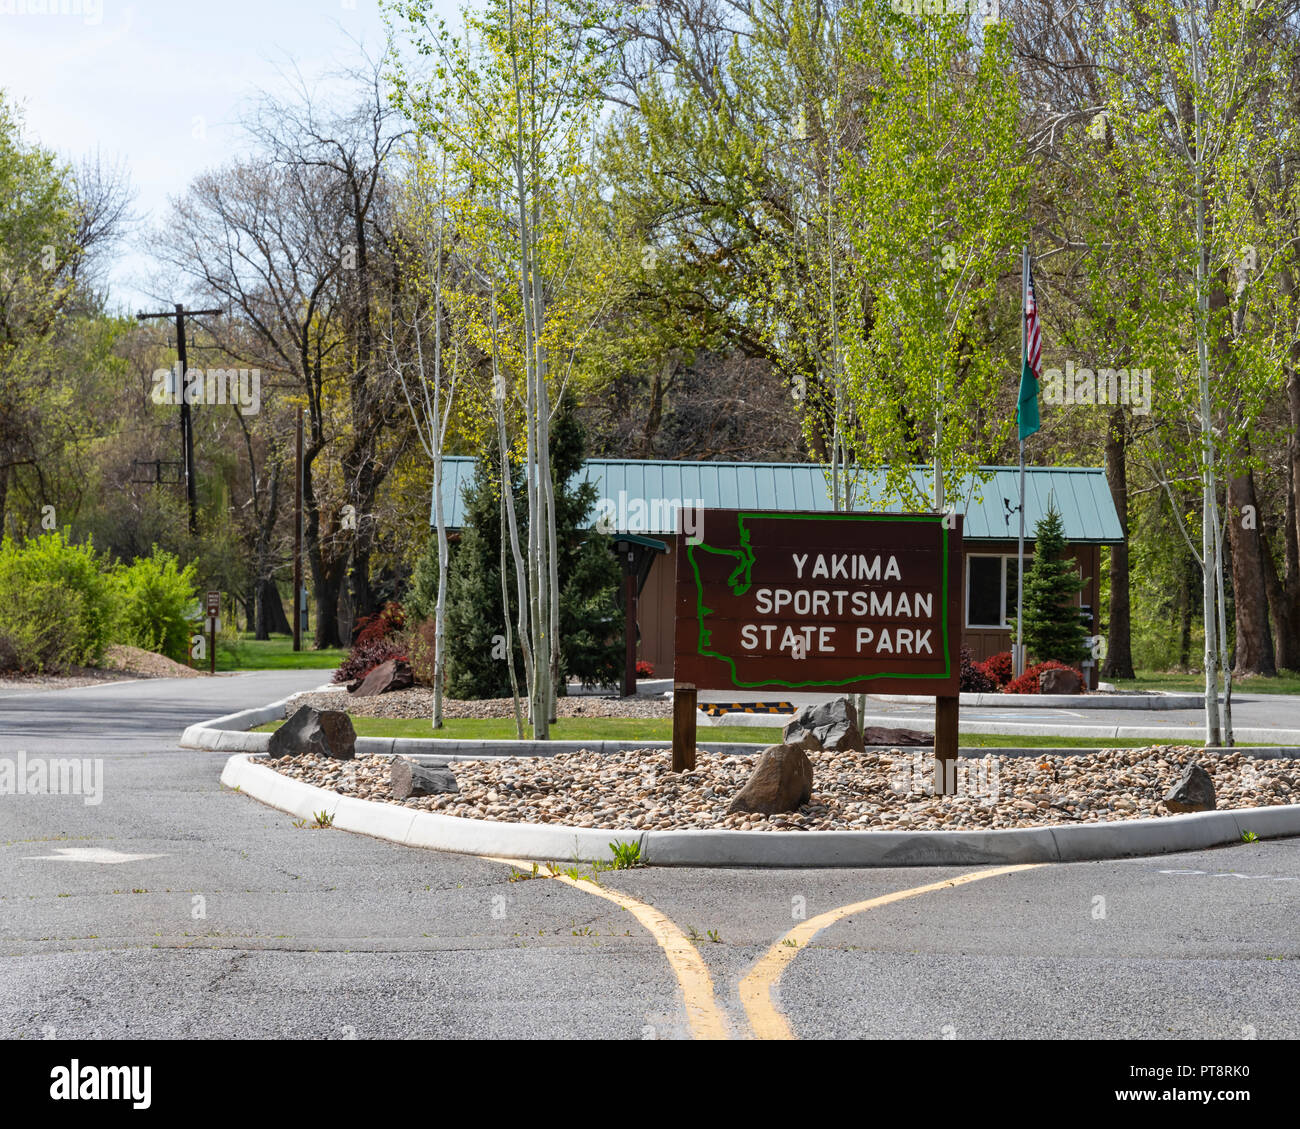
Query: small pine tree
[(476, 621), (591, 646), (1052, 627), (421, 599), (591, 630)]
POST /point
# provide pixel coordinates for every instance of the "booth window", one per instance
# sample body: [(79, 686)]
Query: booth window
[(992, 583)]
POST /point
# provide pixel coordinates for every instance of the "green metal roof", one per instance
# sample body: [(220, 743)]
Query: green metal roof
[(641, 496)]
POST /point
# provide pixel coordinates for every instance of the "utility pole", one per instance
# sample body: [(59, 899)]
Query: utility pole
[(297, 542), (187, 424)]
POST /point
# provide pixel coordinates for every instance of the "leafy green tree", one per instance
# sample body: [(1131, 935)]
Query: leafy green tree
[(156, 597), (1053, 629), (513, 103), (38, 252), (57, 605), (1185, 100), (935, 224)]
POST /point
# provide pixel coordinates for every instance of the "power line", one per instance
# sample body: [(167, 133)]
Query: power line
[(187, 424)]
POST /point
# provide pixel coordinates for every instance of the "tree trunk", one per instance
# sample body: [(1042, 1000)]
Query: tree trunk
[(1284, 595), (1287, 637), (361, 595), (270, 611), (326, 586), (1190, 574), (654, 415), (1284, 613), (1119, 646), (346, 611), (1250, 601), (327, 579)]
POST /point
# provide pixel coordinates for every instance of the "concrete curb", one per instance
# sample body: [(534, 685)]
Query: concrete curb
[(924, 722), (429, 752), (229, 730), (546, 843), (229, 734), (1193, 734), (413, 828), (1154, 700)]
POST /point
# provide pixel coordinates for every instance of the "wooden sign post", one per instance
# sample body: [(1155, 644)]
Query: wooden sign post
[(684, 704), (847, 603)]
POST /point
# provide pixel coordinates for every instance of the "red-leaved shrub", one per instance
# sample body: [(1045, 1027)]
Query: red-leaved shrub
[(999, 667), (364, 657), (644, 669), (1027, 683), (381, 625), (974, 678)]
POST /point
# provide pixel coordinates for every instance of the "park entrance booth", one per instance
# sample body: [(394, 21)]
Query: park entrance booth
[(643, 500)]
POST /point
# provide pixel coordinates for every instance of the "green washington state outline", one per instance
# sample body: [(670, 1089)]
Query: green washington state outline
[(740, 580)]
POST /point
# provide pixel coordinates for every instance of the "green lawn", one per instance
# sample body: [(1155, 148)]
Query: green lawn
[(661, 729), (276, 653), (1288, 682)]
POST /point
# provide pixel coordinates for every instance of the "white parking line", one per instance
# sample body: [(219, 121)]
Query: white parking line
[(1233, 874)]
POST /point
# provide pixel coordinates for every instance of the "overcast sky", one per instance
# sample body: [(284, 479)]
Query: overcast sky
[(159, 84)]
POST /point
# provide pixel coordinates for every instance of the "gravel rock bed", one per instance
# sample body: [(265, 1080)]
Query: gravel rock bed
[(851, 791), (417, 702), (147, 664), (120, 663)]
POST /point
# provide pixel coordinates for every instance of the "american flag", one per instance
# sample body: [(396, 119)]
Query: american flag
[(1033, 334)]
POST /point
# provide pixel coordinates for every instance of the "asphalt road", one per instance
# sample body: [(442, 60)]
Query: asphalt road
[(213, 915)]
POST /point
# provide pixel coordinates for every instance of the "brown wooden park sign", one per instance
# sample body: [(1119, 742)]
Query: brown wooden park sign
[(847, 603)]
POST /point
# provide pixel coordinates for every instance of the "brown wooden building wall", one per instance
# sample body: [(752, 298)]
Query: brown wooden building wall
[(655, 613), (984, 642)]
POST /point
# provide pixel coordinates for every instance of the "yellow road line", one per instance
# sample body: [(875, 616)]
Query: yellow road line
[(759, 984), (705, 1019)]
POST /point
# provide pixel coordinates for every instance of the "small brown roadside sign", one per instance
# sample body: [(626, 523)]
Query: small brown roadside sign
[(214, 615)]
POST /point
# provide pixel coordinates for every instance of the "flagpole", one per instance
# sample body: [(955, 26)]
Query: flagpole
[(1019, 659)]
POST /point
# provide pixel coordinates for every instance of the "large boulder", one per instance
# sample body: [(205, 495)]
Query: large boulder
[(326, 733), (1193, 792), (395, 674), (831, 726), (407, 779), (1059, 682), (895, 738), (782, 781)]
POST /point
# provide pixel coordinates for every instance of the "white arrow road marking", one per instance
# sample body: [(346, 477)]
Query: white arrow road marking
[(89, 854)]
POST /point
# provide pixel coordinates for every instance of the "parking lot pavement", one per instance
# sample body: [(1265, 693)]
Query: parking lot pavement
[(175, 908)]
